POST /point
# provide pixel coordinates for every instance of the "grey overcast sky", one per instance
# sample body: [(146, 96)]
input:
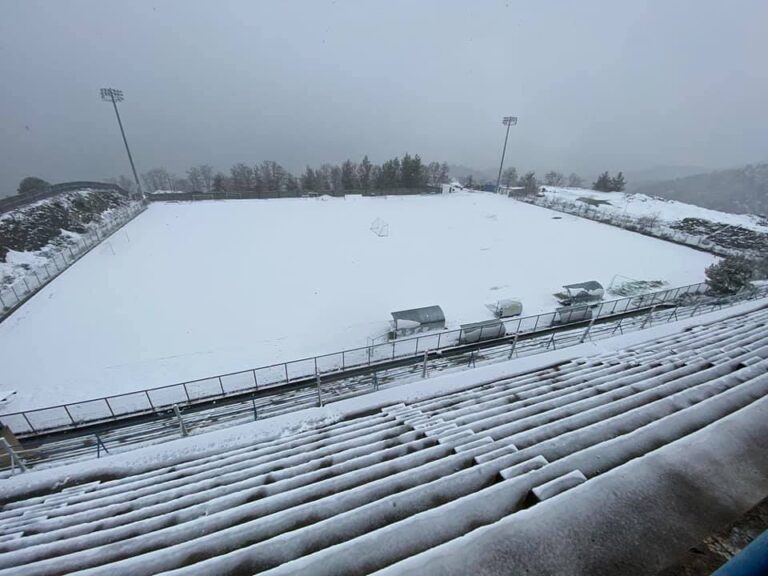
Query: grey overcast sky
[(596, 84)]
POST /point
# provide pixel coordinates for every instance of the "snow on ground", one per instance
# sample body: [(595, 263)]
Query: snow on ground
[(640, 205), (190, 290)]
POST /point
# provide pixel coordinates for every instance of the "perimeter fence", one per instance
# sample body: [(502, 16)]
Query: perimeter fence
[(310, 369), (60, 258)]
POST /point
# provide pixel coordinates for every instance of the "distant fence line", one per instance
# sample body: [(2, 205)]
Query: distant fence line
[(13, 202), (269, 194), (209, 389), (647, 225), (15, 294)]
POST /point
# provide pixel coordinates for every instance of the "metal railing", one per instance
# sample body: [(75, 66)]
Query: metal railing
[(14, 294), (181, 420), (210, 389)]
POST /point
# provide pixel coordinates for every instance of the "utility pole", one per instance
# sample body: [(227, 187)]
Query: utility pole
[(115, 96), (507, 121)]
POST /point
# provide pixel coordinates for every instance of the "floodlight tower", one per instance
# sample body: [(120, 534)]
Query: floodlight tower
[(115, 96), (507, 121)]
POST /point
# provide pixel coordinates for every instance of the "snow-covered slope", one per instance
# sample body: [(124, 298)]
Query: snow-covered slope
[(669, 211), (37, 235), (657, 441), (192, 290)]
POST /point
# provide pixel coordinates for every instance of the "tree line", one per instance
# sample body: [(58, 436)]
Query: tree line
[(406, 172)]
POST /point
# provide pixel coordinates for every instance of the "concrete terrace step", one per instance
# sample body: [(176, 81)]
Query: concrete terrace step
[(364, 493)]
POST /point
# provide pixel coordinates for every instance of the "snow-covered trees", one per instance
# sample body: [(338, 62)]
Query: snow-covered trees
[(554, 178), (605, 183), (529, 183), (575, 181), (509, 177), (729, 275), (31, 185)]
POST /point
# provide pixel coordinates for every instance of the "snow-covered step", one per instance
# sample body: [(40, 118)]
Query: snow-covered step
[(558, 486), (476, 443), (523, 467), (504, 450)]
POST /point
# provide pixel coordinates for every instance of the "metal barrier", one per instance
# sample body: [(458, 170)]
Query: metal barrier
[(14, 294), (205, 390)]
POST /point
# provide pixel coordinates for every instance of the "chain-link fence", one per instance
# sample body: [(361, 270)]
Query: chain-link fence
[(307, 370), (61, 258)]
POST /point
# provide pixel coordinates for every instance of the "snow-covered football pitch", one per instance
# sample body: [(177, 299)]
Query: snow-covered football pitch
[(191, 290)]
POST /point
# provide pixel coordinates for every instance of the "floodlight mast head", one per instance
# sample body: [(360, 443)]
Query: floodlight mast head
[(112, 95), (509, 121)]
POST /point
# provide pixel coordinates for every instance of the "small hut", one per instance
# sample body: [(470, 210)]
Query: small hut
[(416, 320)]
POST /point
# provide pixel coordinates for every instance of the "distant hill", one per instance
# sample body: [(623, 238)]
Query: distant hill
[(738, 190)]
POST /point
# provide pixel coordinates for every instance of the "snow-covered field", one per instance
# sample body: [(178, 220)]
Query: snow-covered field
[(190, 290), (668, 211)]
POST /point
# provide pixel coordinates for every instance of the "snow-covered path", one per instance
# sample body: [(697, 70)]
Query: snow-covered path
[(189, 290)]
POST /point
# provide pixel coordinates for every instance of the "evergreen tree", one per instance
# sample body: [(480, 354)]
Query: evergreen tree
[(309, 180), (220, 183), (529, 183), (603, 183), (364, 170), (617, 183), (348, 175), (729, 275), (32, 185)]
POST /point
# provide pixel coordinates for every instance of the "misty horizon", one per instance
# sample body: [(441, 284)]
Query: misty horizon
[(596, 86)]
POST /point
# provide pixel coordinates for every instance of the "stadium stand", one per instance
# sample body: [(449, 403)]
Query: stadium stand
[(609, 464)]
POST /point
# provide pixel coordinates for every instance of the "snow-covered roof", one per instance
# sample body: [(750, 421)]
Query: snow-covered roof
[(425, 315), (480, 479), (589, 285)]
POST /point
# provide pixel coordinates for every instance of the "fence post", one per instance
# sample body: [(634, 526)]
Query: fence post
[(253, 401), (375, 381), (552, 341), (424, 366), (586, 332), (319, 391), (514, 345), (186, 393), (221, 385), (471, 363), (618, 327), (99, 446), (182, 426), (15, 459), (648, 317)]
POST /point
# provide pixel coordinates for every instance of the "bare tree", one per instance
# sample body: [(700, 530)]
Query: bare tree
[(195, 179), (509, 177), (156, 179), (575, 181), (206, 175), (242, 178), (554, 178)]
